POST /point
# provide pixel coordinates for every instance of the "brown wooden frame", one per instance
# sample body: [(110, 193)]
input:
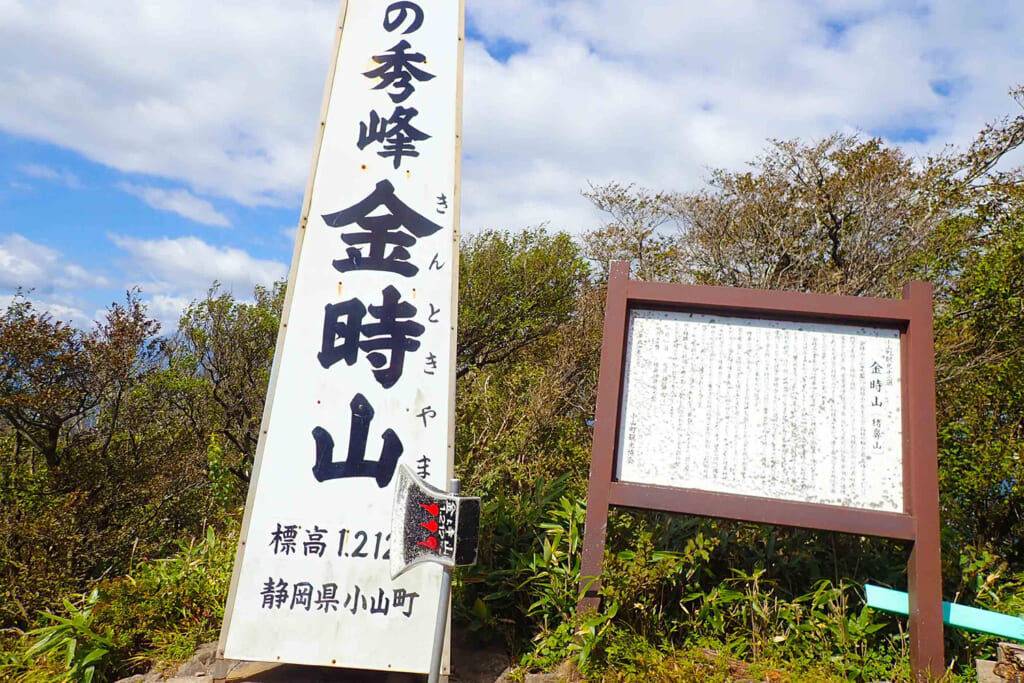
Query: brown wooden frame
[(919, 523)]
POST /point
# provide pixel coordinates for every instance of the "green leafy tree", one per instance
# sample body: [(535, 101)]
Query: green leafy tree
[(94, 470), (843, 215), (55, 379), (840, 215), (636, 232), (980, 333), (219, 369), (514, 289)]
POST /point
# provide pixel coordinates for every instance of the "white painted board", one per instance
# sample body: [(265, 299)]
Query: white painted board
[(794, 411), (368, 326)]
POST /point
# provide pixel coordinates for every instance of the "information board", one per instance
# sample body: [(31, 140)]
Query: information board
[(363, 373), (772, 407), (788, 410)]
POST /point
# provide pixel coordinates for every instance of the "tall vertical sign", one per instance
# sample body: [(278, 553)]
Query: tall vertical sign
[(363, 373)]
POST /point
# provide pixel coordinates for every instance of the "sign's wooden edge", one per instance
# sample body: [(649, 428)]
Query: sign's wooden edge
[(760, 510), (446, 655), (771, 304), (919, 522)]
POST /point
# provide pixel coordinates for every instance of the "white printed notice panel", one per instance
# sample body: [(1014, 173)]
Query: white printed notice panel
[(362, 377), (798, 411)]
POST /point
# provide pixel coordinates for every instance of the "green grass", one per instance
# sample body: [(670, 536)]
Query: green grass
[(158, 614)]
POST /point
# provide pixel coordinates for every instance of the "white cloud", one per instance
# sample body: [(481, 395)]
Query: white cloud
[(659, 92), (185, 267), (224, 96), (41, 172), (29, 265), (174, 272), (167, 309), (181, 202), (24, 263)]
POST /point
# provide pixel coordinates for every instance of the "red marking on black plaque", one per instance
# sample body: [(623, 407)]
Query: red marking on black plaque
[(429, 543), (432, 509), (430, 526)]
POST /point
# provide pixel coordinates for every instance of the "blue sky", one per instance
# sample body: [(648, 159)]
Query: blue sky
[(88, 223), (166, 144)]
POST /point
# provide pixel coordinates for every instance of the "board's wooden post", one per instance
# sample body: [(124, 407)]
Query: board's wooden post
[(605, 423), (915, 518), (924, 571)]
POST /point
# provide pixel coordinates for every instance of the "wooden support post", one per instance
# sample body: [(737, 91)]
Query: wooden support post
[(924, 571), (605, 424)]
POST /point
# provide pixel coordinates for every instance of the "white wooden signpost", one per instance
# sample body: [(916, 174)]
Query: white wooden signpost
[(363, 374)]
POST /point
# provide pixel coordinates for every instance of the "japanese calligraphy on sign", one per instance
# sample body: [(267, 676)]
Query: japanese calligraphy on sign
[(801, 411), (362, 380)]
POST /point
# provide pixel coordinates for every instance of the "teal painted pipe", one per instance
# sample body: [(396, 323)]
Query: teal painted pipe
[(961, 616)]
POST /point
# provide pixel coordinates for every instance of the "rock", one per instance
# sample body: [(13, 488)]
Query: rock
[(152, 677), (505, 677), (986, 670), (201, 662), (473, 663), (565, 673), (199, 669), (568, 672)]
